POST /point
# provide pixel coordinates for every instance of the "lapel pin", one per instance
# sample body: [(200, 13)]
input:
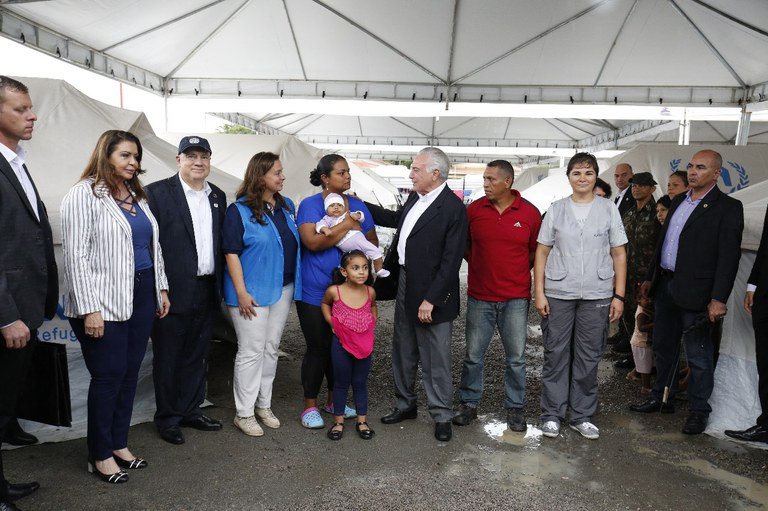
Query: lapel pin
[(705, 205)]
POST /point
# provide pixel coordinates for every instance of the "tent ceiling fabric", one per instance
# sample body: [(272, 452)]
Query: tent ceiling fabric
[(587, 52), (400, 47)]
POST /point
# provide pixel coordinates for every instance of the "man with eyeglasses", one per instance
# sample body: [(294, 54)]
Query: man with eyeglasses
[(190, 212)]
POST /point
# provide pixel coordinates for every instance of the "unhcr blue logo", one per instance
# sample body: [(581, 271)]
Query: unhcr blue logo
[(734, 179)]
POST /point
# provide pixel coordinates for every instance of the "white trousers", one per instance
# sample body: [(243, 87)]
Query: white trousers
[(256, 361)]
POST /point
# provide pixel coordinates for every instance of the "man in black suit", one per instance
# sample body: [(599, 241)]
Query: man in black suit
[(622, 176), (424, 262), (756, 304), (690, 279), (28, 275), (189, 212)]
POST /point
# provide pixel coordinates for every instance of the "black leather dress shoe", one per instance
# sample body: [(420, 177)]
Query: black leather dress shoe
[(7, 505), (625, 363), (465, 415), (172, 435), (754, 434), (202, 423), (695, 424), (652, 405), (443, 431), (13, 492), (14, 435), (397, 415)]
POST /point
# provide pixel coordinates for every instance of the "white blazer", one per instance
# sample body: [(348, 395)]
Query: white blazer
[(98, 254)]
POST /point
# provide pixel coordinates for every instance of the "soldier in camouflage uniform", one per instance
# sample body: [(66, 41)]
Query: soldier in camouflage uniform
[(642, 230)]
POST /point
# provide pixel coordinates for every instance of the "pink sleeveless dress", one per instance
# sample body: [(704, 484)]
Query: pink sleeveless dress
[(354, 327)]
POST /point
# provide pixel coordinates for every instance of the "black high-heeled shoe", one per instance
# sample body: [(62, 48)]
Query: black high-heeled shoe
[(116, 478), (365, 434), (336, 434), (130, 464)]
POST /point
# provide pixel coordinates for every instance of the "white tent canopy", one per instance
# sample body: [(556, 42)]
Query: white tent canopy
[(572, 55)]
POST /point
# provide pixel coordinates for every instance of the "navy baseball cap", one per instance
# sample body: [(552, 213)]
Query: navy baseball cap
[(196, 142)]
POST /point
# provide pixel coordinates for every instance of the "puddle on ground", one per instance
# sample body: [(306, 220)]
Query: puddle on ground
[(630, 423), (756, 493), (527, 466), (498, 430)]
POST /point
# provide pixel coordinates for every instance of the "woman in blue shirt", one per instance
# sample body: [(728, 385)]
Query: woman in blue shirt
[(261, 247), (320, 257)]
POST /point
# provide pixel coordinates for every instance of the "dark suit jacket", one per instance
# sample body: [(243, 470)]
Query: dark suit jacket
[(627, 202), (177, 238), (759, 274), (708, 252), (29, 282), (434, 253)]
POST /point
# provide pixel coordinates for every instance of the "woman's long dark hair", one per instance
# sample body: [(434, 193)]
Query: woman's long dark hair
[(99, 168), (324, 168), (253, 185), (337, 278)]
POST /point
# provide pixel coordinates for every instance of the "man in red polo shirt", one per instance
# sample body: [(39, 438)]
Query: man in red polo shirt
[(503, 228)]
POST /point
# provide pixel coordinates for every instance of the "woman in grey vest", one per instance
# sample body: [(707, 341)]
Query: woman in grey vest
[(579, 259)]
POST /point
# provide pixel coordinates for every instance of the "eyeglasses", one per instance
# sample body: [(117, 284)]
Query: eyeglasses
[(203, 157)]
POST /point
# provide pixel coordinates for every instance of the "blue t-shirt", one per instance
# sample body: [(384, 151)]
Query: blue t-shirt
[(141, 234), (316, 267)]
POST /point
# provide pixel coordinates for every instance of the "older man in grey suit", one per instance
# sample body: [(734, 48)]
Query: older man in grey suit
[(424, 261), (28, 276)]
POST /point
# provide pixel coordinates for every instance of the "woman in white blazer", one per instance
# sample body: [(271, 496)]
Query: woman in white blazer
[(115, 286)]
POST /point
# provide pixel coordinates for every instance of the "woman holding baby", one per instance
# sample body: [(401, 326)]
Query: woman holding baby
[(319, 257)]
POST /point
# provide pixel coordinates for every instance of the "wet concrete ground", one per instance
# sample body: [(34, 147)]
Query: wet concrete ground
[(639, 462)]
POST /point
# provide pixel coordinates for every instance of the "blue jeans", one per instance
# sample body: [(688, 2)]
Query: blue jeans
[(511, 318)]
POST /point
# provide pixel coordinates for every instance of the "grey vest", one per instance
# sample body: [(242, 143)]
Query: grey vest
[(579, 265)]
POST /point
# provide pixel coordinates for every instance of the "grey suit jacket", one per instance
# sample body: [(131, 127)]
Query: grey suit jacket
[(28, 276)]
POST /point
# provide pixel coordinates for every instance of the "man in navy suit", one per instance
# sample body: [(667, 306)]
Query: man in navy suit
[(189, 211), (28, 276), (690, 279), (424, 263)]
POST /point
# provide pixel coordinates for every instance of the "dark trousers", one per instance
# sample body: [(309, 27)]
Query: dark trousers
[(180, 345), (348, 370), (670, 321), (760, 323), (14, 365), (113, 362), (317, 359)]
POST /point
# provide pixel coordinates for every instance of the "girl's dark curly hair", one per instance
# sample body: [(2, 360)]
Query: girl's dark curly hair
[(337, 278)]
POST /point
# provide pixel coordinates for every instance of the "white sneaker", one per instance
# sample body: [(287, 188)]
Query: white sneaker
[(587, 430), (248, 425), (550, 429), (268, 418)]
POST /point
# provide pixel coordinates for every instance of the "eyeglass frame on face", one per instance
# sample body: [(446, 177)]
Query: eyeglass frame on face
[(200, 156)]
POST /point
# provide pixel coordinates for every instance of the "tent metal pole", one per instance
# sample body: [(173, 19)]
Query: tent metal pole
[(709, 44), (742, 133)]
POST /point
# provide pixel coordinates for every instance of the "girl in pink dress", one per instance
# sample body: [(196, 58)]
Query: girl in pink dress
[(349, 306)]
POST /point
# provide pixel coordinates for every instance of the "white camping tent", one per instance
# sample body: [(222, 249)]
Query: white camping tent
[(65, 134), (546, 191), (231, 153), (742, 165)]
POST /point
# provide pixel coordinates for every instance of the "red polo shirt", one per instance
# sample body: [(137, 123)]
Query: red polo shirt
[(498, 248)]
